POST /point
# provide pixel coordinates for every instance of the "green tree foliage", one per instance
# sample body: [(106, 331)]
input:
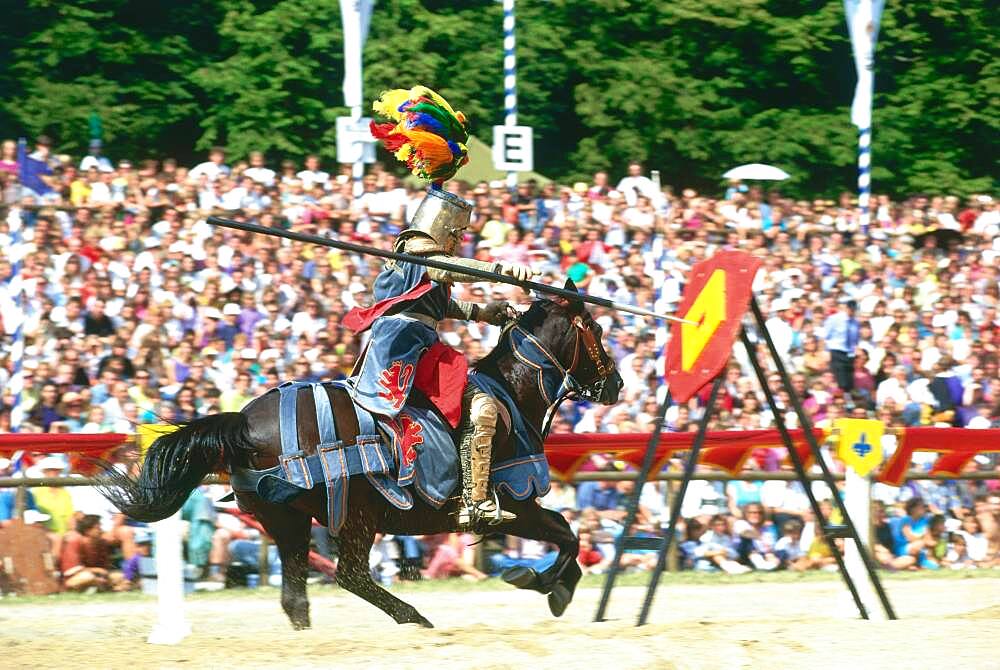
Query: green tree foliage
[(690, 87), (127, 60), (275, 84)]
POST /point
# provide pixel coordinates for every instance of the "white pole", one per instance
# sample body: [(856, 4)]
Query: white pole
[(171, 625), (355, 17), (509, 76), (858, 501), (863, 19)]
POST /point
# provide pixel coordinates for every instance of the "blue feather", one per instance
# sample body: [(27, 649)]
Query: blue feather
[(425, 122)]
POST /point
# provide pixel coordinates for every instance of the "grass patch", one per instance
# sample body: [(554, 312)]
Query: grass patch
[(640, 579)]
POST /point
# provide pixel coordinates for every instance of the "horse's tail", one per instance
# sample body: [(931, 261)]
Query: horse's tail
[(175, 464)]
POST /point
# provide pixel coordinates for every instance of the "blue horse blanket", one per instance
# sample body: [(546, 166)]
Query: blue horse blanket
[(413, 451)]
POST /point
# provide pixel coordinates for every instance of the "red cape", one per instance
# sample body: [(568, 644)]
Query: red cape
[(360, 320)]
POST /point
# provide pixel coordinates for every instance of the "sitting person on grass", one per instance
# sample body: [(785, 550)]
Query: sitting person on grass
[(451, 556), (85, 560), (717, 550), (789, 547), (757, 537)]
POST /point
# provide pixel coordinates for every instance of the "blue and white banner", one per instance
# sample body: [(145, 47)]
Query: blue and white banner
[(863, 18)]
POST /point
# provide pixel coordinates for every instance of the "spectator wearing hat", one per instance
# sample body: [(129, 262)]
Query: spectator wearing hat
[(781, 331), (55, 501), (72, 409), (229, 328)]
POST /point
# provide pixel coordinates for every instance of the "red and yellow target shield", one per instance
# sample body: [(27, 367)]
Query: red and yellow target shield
[(715, 298)]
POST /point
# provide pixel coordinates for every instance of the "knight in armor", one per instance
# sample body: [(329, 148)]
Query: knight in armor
[(404, 351)]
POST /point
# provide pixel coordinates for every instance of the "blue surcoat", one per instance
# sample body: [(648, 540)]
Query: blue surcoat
[(397, 341)]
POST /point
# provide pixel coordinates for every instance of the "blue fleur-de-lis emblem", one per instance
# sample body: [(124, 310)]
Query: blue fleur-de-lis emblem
[(862, 448)]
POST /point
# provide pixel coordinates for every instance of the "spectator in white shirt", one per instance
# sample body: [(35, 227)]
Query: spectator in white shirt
[(100, 190), (258, 171), (782, 333), (389, 204), (238, 196), (312, 175), (635, 184), (95, 159), (210, 197), (893, 389), (213, 168)]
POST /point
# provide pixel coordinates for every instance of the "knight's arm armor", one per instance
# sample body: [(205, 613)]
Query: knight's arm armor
[(423, 245), (451, 277)]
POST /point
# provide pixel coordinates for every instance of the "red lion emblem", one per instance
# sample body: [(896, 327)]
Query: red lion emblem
[(410, 435), (395, 380)]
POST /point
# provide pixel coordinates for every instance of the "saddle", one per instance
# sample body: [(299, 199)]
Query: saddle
[(413, 452), (384, 451)]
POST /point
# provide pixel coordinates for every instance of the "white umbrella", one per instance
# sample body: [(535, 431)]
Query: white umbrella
[(757, 171)]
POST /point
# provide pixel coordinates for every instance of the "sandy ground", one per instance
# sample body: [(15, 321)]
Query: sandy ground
[(953, 624)]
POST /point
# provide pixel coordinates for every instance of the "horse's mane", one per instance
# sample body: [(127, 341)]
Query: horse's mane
[(530, 320)]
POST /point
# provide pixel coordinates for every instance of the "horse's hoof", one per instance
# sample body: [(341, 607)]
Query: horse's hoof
[(412, 617), (559, 599), (422, 622), (521, 577)]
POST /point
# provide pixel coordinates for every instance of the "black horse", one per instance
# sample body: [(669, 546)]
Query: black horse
[(176, 463)]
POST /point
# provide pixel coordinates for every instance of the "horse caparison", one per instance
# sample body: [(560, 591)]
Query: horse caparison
[(177, 462)]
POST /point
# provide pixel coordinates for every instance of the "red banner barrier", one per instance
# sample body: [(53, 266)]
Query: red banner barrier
[(80, 447), (725, 449), (567, 452), (956, 446)]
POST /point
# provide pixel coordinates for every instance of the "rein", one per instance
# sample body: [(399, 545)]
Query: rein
[(542, 358)]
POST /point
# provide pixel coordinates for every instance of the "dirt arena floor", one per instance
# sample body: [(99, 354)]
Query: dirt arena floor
[(944, 623)]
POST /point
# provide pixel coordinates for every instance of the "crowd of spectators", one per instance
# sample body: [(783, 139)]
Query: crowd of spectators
[(132, 309)]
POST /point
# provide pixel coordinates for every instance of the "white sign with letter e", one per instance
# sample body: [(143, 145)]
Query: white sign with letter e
[(513, 150)]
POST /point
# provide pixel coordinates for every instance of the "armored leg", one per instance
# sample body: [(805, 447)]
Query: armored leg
[(476, 451)]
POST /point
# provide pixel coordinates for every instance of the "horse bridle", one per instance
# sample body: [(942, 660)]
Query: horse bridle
[(595, 388), (571, 386)]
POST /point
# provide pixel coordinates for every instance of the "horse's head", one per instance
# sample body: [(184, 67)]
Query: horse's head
[(563, 330)]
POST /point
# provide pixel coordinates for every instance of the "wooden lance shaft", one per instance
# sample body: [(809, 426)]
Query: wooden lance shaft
[(440, 265)]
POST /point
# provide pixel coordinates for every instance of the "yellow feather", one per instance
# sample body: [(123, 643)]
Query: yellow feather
[(404, 152), (418, 91), (389, 102)]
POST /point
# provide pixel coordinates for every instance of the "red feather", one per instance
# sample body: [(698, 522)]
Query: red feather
[(381, 130)]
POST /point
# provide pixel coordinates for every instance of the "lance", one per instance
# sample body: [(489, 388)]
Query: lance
[(440, 265)]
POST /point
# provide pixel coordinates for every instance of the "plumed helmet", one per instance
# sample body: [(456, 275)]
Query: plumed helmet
[(443, 217)]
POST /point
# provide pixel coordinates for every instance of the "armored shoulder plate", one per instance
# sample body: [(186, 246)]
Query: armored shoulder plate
[(417, 242)]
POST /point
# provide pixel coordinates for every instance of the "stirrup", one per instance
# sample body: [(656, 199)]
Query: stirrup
[(491, 512), (472, 516)]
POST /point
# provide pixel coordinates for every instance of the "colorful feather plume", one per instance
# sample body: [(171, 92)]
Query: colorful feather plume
[(427, 134)]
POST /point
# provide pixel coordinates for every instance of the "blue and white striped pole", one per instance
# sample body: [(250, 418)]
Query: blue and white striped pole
[(509, 77), (863, 18), (864, 176), (16, 285)]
